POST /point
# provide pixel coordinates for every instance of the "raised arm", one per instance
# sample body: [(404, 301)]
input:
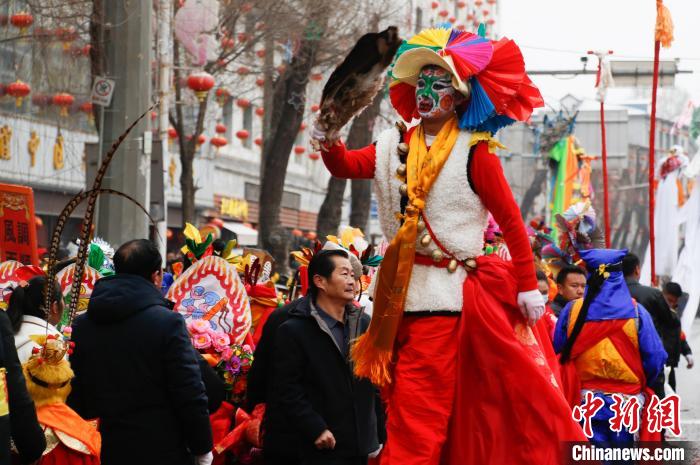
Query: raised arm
[(487, 179), (349, 164)]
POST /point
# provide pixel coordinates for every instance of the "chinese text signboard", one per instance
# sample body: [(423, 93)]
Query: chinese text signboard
[(17, 225)]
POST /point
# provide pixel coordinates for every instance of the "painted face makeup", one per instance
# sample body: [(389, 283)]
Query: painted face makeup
[(435, 95)]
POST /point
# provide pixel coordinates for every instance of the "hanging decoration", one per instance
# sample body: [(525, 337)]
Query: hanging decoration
[(258, 141), (222, 96), (260, 111), (243, 103), (32, 147), (218, 142), (63, 100), (86, 107), (5, 138), (220, 128), (260, 82), (22, 20), (58, 159), (18, 90), (299, 149), (242, 134), (314, 156), (201, 83), (243, 70)]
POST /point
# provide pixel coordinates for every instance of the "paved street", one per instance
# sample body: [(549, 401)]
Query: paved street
[(688, 382)]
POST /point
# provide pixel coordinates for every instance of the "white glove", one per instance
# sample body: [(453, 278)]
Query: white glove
[(375, 454), (318, 133), (205, 459), (689, 360), (531, 305)]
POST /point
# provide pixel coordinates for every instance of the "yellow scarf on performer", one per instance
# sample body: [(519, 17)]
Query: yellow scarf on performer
[(372, 353)]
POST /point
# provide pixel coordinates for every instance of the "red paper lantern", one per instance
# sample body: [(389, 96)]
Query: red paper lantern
[(222, 95), (172, 133), (63, 100), (227, 43), (491, 2), (260, 111), (316, 77), (478, 3), (302, 126), (201, 83), (299, 149), (461, 27), (452, 19), (243, 102), (242, 134), (22, 20), (218, 141), (260, 82), (281, 69), (86, 107), (461, 4), (258, 141), (491, 22), (470, 17), (444, 13), (201, 139), (260, 53), (41, 100), (220, 129), (315, 108), (242, 37), (434, 5), (18, 90), (314, 156), (243, 70), (485, 13)]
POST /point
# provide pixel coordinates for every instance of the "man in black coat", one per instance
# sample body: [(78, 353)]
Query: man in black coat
[(314, 388), (136, 370), (666, 322), (17, 412), (281, 439)]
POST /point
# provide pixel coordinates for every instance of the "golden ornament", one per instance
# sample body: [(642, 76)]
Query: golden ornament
[(452, 266), (401, 170), (403, 190), (425, 240), (437, 255)]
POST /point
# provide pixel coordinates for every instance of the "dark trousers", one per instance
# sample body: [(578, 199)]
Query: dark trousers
[(337, 461), (270, 458)]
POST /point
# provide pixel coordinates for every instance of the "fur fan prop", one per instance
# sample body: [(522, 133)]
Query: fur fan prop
[(355, 82)]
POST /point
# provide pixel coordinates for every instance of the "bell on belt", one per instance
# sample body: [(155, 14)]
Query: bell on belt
[(452, 266), (403, 190), (401, 170), (470, 263), (437, 255), (402, 148), (420, 226), (425, 240)]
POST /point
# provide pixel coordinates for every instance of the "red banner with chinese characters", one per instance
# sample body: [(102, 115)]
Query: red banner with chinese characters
[(17, 226)]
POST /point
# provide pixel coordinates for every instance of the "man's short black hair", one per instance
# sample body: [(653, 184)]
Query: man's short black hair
[(139, 256), (566, 271), (322, 264), (540, 275), (629, 263), (218, 246), (673, 289)]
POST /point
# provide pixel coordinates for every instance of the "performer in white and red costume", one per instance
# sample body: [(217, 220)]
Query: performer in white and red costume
[(450, 340)]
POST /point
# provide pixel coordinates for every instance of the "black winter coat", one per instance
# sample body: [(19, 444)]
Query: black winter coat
[(314, 389), (136, 370), (21, 423)]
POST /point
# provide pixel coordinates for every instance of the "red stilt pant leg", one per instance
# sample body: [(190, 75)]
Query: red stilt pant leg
[(421, 398)]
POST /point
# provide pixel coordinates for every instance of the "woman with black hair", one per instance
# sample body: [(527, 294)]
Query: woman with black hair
[(28, 316)]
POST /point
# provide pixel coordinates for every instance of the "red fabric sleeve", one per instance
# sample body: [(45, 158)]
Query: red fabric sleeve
[(350, 164), (487, 178)]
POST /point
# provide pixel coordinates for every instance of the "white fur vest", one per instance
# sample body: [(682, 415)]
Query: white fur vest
[(454, 211)]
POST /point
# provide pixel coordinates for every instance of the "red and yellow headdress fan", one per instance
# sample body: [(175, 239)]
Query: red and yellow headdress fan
[(490, 72)]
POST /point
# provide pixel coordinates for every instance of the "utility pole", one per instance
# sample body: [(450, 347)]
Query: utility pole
[(165, 42), (128, 61)]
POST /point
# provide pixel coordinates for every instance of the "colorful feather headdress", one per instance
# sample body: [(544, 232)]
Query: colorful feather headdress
[(491, 73)]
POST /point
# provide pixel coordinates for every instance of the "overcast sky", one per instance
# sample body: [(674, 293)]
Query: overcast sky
[(554, 34)]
